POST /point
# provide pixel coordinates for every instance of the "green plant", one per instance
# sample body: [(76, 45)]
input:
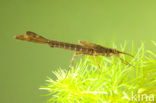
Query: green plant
[(115, 84)]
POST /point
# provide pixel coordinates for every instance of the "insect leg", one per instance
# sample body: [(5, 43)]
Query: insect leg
[(97, 64), (71, 63), (125, 62), (73, 58)]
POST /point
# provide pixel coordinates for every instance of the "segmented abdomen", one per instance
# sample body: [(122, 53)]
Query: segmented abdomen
[(77, 48)]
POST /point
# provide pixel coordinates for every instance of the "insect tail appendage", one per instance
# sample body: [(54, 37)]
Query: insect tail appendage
[(32, 37)]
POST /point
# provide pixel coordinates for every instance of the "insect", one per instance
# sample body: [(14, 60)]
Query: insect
[(85, 48)]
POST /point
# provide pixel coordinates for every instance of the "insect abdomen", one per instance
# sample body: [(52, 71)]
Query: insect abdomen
[(69, 46)]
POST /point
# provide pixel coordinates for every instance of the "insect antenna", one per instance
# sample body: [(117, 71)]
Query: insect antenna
[(126, 53)]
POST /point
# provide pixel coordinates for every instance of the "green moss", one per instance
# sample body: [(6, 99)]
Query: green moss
[(115, 84)]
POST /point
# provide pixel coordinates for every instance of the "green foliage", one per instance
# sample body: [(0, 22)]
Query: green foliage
[(113, 84)]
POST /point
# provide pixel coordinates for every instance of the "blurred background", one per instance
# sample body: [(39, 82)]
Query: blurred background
[(24, 66)]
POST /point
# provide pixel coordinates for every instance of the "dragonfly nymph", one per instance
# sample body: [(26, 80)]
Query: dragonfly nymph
[(85, 48)]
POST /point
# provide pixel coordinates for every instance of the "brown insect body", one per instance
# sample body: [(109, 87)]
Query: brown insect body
[(85, 48), (97, 50)]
